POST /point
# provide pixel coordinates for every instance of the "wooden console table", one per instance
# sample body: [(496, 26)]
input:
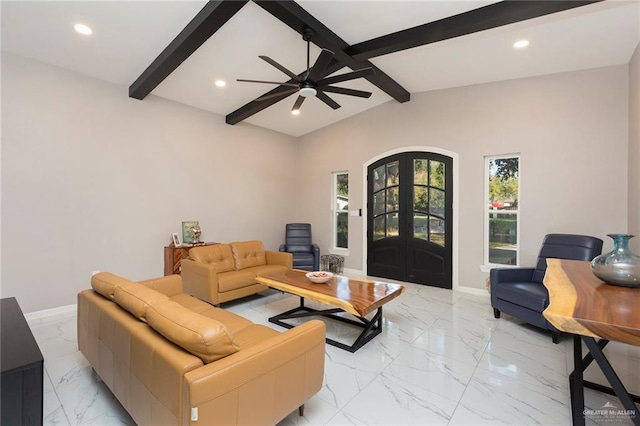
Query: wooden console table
[(581, 304), (22, 369), (173, 257)]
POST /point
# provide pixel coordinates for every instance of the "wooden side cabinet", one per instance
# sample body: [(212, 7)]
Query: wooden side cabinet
[(173, 257), (22, 369)]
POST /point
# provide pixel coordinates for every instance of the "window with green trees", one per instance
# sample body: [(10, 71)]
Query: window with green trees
[(502, 185), (341, 210)]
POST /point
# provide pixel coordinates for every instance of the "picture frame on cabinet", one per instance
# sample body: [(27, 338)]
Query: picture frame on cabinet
[(176, 239)]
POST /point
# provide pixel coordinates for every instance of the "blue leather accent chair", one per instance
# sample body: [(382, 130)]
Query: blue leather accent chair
[(306, 255), (519, 291)]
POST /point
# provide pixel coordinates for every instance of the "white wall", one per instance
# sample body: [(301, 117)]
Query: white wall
[(634, 150), (570, 129), (94, 180)]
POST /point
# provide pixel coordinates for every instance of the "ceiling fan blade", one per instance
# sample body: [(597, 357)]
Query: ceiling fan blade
[(298, 104), (268, 82), (275, 95), (321, 64), (327, 100), (345, 91), (280, 67), (346, 77)]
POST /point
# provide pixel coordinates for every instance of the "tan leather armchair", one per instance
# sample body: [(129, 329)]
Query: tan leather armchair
[(223, 272)]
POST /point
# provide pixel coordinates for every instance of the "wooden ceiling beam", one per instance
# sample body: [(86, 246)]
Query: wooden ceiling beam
[(209, 20), (484, 18)]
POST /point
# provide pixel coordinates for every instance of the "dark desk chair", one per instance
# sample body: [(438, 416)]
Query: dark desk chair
[(306, 255), (520, 292)]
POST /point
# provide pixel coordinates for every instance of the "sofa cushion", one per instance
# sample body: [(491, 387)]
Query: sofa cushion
[(219, 256), (204, 337), (136, 298), (105, 283), (190, 302), (252, 335), (248, 253), (233, 322), (235, 279), (266, 269)]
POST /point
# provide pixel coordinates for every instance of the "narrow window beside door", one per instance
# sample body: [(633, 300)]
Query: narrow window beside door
[(340, 214), (502, 189)]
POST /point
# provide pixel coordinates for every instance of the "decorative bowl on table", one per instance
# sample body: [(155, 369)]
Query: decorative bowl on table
[(319, 277)]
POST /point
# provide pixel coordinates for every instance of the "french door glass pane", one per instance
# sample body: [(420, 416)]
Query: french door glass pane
[(393, 173), (392, 225), (378, 228), (503, 240), (436, 174), (420, 226), (436, 202), (378, 203), (379, 178), (420, 171), (436, 230), (342, 234), (393, 200), (420, 198)]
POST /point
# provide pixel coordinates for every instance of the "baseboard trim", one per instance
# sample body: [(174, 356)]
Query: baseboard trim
[(469, 290), (51, 314), (473, 290), (353, 272)]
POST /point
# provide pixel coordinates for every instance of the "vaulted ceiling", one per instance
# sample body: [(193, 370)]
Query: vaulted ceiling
[(176, 50)]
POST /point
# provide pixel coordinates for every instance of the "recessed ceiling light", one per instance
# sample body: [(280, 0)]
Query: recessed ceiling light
[(521, 44), (295, 111), (221, 83), (83, 29)]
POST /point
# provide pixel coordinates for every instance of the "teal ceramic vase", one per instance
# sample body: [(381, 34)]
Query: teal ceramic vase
[(620, 266)]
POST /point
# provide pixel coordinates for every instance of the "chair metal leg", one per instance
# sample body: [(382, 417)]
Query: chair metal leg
[(555, 336), (301, 410), (496, 313)]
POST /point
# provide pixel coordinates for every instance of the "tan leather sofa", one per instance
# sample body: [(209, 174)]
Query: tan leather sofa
[(170, 358), (223, 272)]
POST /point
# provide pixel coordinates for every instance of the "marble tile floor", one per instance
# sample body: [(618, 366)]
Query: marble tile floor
[(442, 359)]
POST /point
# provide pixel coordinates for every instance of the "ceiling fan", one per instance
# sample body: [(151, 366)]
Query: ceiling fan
[(311, 83)]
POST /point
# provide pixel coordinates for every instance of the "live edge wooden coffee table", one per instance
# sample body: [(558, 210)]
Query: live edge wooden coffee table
[(356, 297)]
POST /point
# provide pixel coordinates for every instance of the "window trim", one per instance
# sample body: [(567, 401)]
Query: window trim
[(334, 249), (486, 211)]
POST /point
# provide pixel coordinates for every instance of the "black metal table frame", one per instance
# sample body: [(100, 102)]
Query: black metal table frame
[(577, 382), (371, 327)]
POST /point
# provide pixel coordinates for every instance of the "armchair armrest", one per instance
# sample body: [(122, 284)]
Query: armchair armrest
[(294, 360), (502, 275), (169, 285), (200, 280), (279, 258)]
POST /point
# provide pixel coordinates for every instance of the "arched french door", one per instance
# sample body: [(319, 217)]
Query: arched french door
[(409, 218)]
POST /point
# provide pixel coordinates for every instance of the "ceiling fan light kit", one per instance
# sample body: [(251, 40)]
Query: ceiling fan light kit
[(307, 92), (313, 82)]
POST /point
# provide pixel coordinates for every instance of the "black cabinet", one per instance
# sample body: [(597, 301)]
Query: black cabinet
[(22, 368)]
